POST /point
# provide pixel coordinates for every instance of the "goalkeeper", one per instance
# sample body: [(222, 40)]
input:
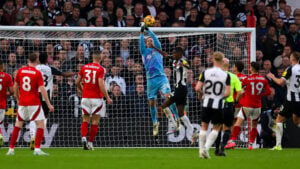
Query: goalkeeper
[(156, 78)]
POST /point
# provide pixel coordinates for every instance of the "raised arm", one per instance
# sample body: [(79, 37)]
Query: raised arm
[(155, 39), (142, 43), (45, 96)]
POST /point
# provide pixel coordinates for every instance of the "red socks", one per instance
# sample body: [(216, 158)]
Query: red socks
[(14, 137), (84, 129), (253, 134), (93, 133), (235, 132), (39, 137)]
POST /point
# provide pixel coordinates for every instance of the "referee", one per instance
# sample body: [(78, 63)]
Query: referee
[(228, 111)]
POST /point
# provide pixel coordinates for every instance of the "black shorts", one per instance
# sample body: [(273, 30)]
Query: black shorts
[(228, 114), (215, 116), (289, 108), (179, 95)]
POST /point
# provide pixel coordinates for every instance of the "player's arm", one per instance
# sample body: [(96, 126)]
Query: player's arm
[(142, 40), (267, 90), (238, 89), (199, 85), (10, 87), (103, 90), (16, 91), (186, 64), (60, 73), (285, 75), (227, 87), (156, 42)]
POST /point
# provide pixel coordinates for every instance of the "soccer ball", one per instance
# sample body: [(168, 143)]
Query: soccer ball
[(149, 20)]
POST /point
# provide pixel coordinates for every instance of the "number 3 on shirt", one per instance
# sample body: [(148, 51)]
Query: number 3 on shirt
[(88, 76), (26, 83)]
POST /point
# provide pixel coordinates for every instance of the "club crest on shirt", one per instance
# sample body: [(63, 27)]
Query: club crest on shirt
[(149, 56)]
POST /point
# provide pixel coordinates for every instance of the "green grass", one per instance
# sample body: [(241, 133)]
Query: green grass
[(118, 158)]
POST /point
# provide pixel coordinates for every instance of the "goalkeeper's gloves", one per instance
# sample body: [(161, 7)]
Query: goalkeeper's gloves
[(143, 27)]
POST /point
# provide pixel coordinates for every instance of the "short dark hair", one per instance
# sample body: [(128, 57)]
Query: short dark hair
[(43, 58), (178, 49), (255, 66), (239, 65), (32, 57)]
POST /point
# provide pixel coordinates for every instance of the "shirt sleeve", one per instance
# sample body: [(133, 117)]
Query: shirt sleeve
[(228, 80), (185, 63), (287, 73), (155, 39), (101, 73), (55, 71), (237, 84), (201, 77), (142, 43), (40, 79), (17, 79)]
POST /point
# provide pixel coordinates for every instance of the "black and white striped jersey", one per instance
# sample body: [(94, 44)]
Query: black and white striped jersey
[(48, 73), (214, 82), (292, 79), (180, 68)]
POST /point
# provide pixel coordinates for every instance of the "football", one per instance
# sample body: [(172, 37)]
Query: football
[(149, 20)]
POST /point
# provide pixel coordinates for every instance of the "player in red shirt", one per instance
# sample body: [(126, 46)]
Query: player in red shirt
[(28, 82), (5, 83), (238, 69), (256, 87), (91, 83)]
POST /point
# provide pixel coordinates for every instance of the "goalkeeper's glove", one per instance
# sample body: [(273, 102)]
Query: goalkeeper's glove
[(143, 27)]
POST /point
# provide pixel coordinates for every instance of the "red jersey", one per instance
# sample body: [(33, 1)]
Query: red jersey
[(256, 86), (242, 78), (91, 73), (29, 80), (5, 82)]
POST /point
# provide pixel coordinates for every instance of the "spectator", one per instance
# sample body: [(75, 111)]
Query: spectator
[(107, 63), (50, 12), (74, 18), (84, 8), (268, 43), (183, 42), (120, 19), (260, 9), (262, 28), (187, 8), (228, 23), (130, 21), (288, 18), (193, 20), (110, 10), (163, 18), (67, 9), (268, 12), (274, 17), (50, 53), (196, 66), (282, 5), (150, 9), (115, 77), (178, 14), (198, 49), (128, 7), (138, 102), (139, 80), (10, 12), (297, 21), (59, 20), (293, 37), (170, 8), (259, 57), (267, 66), (12, 64), (280, 27), (78, 59), (5, 49), (97, 12), (207, 20)]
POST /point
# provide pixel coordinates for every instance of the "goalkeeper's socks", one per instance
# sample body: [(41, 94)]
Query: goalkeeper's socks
[(235, 132), (253, 135), (84, 129), (174, 110), (279, 133), (93, 133), (14, 137), (153, 113), (211, 139), (39, 137)]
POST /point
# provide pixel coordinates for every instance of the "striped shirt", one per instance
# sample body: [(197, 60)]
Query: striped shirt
[(292, 79), (214, 81)]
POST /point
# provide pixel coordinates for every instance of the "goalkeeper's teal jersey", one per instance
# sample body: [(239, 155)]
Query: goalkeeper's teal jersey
[(152, 58)]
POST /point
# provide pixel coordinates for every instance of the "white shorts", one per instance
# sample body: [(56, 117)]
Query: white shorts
[(2, 113), (93, 106), (236, 112), (30, 113), (245, 112)]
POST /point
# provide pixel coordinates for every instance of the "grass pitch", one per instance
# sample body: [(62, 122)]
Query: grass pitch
[(169, 158)]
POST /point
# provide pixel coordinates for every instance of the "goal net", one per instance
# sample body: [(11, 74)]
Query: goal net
[(127, 122)]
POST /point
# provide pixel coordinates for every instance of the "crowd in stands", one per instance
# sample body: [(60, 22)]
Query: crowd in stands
[(277, 35)]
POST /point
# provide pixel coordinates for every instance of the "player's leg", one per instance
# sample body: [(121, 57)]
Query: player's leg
[(2, 112), (202, 139), (39, 117), (170, 99), (16, 130), (32, 132), (296, 113), (255, 115), (153, 112), (152, 90), (86, 111), (93, 131)]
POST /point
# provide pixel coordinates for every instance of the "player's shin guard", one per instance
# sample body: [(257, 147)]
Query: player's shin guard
[(93, 133), (202, 140), (14, 137), (278, 133), (235, 132), (225, 139), (174, 110), (211, 139), (153, 113), (32, 129), (253, 135), (84, 129), (39, 137)]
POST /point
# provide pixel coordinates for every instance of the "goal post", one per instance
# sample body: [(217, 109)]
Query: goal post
[(127, 122)]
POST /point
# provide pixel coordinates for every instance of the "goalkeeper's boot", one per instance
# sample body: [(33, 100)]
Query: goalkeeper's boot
[(39, 152), (10, 152), (32, 143), (155, 128), (85, 145), (230, 145), (90, 146), (195, 137), (278, 148), (1, 140)]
